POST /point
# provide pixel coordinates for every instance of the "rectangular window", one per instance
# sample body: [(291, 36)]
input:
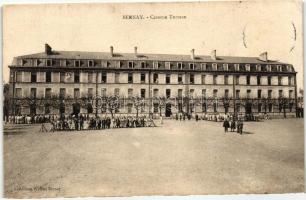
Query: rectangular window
[(215, 93), (214, 66), (76, 93), (259, 107), (180, 79), (103, 92), (130, 92), (155, 78), (258, 94), (167, 65), (168, 93), (129, 106), (77, 77), (143, 93), (191, 92), (191, 78), (237, 94), (258, 80), (117, 76), (191, 66), (130, 78), (143, 65), (203, 66), (48, 93), (203, 79), (155, 93), (290, 80), (48, 76), (280, 93), (90, 77), (280, 80), (204, 93), (62, 77), (215, 79), (155, 109), (77, 63), (33, 77), (90, 92), (290, 94), (226, 93), (167, 78), (62, 93), (248, 94), (18, 93), (18, 77), (248, 80), (90, 63), (180, 93), (48, 62), (131, 64), (270, 94), (237, 80), (155, 65), (180, 65), (225, 67), (269, 80), (142, 78), (103, 77), (117, 91), (226, 80)]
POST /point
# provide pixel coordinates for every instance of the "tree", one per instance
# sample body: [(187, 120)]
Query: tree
[(138, 102), (112, 104)]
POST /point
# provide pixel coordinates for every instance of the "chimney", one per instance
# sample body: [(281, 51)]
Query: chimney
[(213, 55), (192, 54), (263, 56), (135, 51), (111, 51), (48, 49)]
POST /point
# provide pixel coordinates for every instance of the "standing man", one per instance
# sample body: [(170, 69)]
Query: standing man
[(226, 125)]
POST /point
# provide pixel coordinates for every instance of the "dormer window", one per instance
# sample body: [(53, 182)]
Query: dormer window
[(118, 64), (258, 68), (289, 68), (48, 62), (236, 67), (143, 65), (180, 65), (225, 67), (63, 63), (248, 67), (214, 66), (191, 66), (23, 62), (167, 65), (268, 68), (155, 65), (90, 63), (77, 63), (279, 68), (203, 66), (131, 64)]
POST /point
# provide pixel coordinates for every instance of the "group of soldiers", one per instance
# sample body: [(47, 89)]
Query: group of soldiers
[(233, 125), (97, 123)]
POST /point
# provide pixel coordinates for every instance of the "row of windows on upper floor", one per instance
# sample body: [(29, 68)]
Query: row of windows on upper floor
[(215, 94), (158, 65), (92, 79)]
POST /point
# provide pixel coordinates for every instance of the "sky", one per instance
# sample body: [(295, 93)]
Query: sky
[(232, 28)]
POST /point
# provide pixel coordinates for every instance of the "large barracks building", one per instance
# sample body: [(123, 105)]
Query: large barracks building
[(84, 82)]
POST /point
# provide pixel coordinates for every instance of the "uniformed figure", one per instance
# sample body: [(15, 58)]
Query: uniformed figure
[(226, 125)]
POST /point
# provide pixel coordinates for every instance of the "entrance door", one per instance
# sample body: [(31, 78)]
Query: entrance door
[(248, 108), (168, 111)]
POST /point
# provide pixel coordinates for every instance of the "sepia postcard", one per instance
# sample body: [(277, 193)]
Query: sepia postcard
[(140, 99)]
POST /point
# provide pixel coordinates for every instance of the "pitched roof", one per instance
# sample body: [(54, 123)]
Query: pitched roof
[(153, 57)]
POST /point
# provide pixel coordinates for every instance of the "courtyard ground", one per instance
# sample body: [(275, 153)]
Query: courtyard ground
[(177, 158)]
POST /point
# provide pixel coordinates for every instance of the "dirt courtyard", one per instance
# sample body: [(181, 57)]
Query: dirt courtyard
[(177, 158)]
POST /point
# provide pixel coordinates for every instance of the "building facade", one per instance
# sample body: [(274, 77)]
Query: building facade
[(69, 82)]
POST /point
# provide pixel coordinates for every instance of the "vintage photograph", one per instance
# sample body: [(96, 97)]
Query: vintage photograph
[(138, 99)]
